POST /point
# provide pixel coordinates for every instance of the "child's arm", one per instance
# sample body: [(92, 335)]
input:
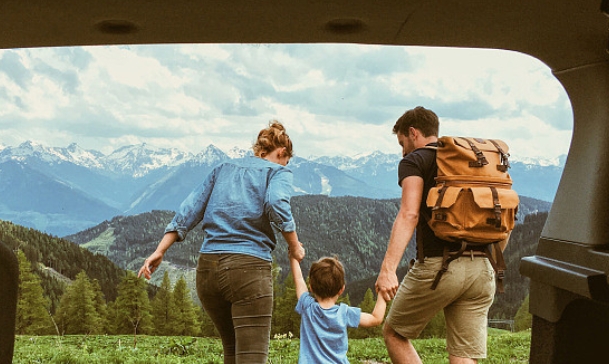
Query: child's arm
[(377, 316), (299, 282)]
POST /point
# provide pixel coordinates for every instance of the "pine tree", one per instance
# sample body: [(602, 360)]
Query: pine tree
[(112, 318), (367, 305), (100, 305), (33, 317), (133, 307), (344, 299), (163, 309), (186, 321), (77, 313), (207, 326), (285, 319)]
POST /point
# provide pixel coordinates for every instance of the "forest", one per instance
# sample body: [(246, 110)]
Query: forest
[(67, 282)]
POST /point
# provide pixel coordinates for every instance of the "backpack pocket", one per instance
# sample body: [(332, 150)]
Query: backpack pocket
[(477, 214)]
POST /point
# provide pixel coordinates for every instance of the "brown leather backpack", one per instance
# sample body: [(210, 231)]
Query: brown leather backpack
[(473, 202)]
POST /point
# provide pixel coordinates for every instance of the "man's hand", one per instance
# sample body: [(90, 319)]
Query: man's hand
[(387, 285)]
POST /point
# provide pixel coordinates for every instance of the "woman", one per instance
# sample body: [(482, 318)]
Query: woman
[(241, 204)]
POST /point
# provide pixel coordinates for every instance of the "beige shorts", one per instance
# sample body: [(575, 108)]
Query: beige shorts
[(465, 292)]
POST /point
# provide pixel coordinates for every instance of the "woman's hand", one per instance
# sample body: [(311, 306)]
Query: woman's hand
[(153, 261), (298, 253), (150, 265)]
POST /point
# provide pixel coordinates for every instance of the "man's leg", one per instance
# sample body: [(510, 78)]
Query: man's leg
[(458, 360), (400, 348)]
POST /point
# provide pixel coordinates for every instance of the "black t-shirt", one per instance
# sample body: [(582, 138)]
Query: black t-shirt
[(422, 162)]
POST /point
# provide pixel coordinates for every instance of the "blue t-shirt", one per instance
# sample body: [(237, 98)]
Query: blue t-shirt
[(323, 332), (241, 204)]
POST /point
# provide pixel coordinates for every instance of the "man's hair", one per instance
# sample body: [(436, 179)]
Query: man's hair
[(420, 118), (326, 277)]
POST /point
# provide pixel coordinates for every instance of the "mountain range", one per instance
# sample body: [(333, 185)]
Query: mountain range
[(62, 191)]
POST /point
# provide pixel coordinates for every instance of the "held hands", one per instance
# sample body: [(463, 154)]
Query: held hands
[(298, 253), (387, 285), (150, 265)]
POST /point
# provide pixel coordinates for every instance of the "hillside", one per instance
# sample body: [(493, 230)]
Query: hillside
[(355, 229), (58, 261)]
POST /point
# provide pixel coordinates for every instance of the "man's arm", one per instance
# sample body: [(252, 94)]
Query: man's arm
[(403, 229), (299, 282), (377, 316)]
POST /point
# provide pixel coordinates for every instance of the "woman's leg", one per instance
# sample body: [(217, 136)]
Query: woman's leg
[(237, 293), (252, 307), (214, 303)]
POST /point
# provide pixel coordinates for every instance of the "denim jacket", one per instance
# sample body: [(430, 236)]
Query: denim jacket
[(242, 204)]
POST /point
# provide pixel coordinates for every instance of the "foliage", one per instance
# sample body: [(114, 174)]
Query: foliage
[(182, 346), (367, 305), (186, 319), (523, 319), (503, 347), (79, 310), (284, 349), (163, 308), (523, 242), (353, 228), (32, 317), (285, 318), (133, 307), (57, 261)]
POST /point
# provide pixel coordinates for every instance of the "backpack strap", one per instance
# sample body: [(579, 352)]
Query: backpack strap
[(497, 209), (419, 237), (505, 163), (447, 257), (498, 266), (480, 158)]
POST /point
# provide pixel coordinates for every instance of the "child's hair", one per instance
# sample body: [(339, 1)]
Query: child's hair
[(326, 277), (271, 138)]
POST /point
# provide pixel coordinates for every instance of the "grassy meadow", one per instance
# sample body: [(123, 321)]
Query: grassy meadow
[(503, 347)]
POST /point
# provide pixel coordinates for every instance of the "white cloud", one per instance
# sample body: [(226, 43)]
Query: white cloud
[(527, 135), (334, 99)]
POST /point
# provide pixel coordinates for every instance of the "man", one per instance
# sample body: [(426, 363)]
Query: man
[(465, 292)]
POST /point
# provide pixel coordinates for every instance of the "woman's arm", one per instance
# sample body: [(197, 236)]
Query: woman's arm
[(154, 260), (295, 248)]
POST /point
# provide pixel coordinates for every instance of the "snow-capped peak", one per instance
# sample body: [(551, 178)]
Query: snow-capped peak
[(544, 162), (236, 152), (210, 155), (139, 160)]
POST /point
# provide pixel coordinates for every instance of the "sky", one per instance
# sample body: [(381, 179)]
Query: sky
[(334, 99)]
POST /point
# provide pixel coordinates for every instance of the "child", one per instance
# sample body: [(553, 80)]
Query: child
[(323, 328)]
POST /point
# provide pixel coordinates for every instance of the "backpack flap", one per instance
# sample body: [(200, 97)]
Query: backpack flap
[(503, 203), (479, 215), (465, 156)]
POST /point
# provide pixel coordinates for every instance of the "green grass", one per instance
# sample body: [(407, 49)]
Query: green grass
[(503, 347)]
